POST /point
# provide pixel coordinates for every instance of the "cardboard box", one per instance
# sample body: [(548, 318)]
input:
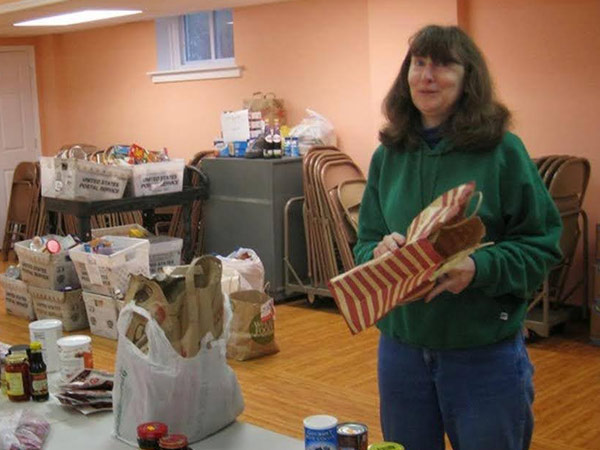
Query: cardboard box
[(16, 298), (67, 307), (102, 313)]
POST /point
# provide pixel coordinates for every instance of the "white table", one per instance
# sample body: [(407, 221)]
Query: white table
[(70, 429)]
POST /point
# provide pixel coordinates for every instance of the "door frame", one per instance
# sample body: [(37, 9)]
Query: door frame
[(30, 52)]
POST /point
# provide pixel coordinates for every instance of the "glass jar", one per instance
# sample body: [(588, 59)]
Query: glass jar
[(149, 434), (17, 378)]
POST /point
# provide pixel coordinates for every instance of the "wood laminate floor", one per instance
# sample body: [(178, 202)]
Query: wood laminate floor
[(323, 369)]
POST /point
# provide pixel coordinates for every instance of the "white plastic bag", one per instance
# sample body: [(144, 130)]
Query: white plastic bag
[(23, 430), (314, 129), (246, 263), (193, 396)]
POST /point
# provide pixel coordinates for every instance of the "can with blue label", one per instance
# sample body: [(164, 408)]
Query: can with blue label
[(320, 432)]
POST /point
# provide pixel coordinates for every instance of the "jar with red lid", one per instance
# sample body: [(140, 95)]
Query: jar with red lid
[(173, 442), (17, 378), (149, 434)]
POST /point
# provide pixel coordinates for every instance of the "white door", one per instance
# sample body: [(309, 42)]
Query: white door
[(19, 120)]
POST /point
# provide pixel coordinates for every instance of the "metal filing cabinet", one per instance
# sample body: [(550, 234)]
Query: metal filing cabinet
[(245, 209)]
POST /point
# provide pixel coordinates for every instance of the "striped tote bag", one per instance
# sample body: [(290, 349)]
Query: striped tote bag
[(438, 238)]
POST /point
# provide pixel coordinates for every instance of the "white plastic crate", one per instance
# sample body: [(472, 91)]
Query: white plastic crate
[(157, 178), (70, 178), (164, 250), (16, 298), (67, 307), (107, 274), (102, 313), (46, 270)]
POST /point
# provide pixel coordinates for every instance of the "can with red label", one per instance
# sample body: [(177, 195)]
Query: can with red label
[(352, 436)]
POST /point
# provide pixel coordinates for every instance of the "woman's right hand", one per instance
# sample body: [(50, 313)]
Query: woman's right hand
[(389, 243)]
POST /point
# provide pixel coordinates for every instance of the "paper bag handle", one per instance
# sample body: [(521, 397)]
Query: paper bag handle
[(479, 195)]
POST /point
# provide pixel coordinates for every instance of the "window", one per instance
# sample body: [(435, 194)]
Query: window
[(195, 46)]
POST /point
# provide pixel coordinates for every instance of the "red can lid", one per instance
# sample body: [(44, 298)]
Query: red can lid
[(53, 246), (152, 430), (173, 441)]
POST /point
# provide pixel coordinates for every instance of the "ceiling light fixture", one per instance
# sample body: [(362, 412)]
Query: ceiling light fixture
[(88, 15)]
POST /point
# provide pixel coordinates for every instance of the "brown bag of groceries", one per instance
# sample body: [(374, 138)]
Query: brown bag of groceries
[(252, 326), (268, 105), (187, 304)]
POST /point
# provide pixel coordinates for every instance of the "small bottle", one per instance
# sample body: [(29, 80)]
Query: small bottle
[(37, 374), (3, 384), (277, 152), (295, 148), (17, 378), (268, 149)]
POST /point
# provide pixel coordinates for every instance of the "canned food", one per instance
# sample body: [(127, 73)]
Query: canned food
[(386, 446), (352, 436), (320, 432)]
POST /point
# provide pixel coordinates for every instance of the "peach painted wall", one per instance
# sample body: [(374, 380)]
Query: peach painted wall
[(338, 57), (545, 58), (391, 23), (95, 88)]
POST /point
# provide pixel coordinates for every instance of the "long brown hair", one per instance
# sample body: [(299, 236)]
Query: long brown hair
[(479, 120)]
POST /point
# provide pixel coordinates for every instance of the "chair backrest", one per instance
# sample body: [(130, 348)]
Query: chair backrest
[(350, 193), (570, 180)]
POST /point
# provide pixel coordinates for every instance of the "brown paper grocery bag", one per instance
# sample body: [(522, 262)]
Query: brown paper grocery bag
[(268, 105), (252, 326)]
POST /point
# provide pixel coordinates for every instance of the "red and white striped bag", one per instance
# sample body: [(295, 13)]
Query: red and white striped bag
[(438, 238)]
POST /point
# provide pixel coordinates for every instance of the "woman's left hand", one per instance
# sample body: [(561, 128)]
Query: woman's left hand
[(456, 280)]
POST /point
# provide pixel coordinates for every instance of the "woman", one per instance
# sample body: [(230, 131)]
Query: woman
[(456, 362)]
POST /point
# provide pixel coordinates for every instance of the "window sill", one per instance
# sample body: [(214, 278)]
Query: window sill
[(190, 74)]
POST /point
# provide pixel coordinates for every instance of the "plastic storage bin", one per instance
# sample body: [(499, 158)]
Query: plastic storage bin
[(157, 178), (109, 274), (164, 250), (16, 298), (77, 179), (68, 307), (102, 313), (46, 270)]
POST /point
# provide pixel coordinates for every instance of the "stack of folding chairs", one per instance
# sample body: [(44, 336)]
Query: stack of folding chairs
[(566, 178), (23, 208), (333, 187)]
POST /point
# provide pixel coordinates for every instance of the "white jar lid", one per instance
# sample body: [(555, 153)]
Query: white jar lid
[(320, 422), (45, 324), (76, 340)]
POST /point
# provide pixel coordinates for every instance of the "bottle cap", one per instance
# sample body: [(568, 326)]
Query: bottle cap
[(53, 246), (152, 430), (35, 346)]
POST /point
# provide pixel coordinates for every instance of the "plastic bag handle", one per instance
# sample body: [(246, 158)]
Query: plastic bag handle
[(258, 94), (270, 95)]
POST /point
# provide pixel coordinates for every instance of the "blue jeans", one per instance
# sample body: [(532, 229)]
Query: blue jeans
[(481, 397)]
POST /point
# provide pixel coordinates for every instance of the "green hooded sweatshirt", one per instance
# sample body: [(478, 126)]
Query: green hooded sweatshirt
[(520, 218)]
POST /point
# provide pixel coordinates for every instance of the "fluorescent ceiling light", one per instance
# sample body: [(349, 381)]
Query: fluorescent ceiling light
[(88, 15)]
